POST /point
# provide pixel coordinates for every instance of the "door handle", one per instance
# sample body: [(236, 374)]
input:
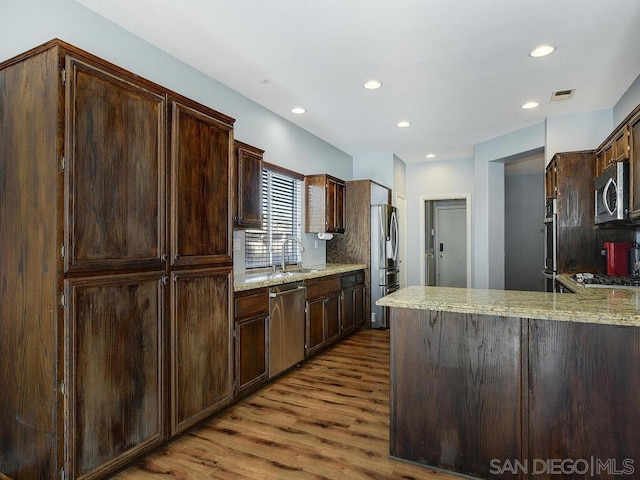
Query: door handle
[(442, 247)]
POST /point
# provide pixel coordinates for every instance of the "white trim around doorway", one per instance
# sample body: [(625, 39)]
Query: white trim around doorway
[(447, 196)]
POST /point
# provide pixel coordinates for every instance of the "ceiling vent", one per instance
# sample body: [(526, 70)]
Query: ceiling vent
[(559, 95)]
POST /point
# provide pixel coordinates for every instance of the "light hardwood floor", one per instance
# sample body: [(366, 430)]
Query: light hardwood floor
[(328, 419)]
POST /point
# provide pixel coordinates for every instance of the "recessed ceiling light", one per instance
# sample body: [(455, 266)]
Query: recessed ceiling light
[(372, 85), (430, 155), (542, 51), (298, 110), (530, 105), (403, 124)]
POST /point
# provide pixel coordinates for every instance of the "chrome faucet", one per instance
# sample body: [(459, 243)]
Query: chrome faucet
[(288, 239)]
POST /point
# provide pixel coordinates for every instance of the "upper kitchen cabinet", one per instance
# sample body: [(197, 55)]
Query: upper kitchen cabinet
[(248, 203), (614, 149), (114, 174), (324, 204), (634, 166), (201, 185)]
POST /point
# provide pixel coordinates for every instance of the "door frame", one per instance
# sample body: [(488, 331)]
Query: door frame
[(445, 196)]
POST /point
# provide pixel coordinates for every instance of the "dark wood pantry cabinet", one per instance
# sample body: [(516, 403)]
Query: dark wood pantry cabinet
[(115, 278)]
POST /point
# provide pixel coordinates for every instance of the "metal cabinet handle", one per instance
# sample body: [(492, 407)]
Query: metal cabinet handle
[(164, 257)]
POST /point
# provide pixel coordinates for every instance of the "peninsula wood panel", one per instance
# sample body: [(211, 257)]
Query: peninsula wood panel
[(30, 311), (455, 394), (583, 388)]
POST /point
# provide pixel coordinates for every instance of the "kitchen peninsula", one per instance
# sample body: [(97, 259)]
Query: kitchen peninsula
[(509, 384)]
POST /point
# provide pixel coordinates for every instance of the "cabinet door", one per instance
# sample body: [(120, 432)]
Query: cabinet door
[(352, 309), (621, 144), (201, 348), (315, 326), (334, 206), (249, 194), (115, 171), (116, 399), (332, 318), (200, 187), (634, 167), (251, 353)]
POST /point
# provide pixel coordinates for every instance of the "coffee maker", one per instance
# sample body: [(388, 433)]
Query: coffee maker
[(618, 258)]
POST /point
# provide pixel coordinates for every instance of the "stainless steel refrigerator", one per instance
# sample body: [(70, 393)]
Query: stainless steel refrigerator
[(385, 270)]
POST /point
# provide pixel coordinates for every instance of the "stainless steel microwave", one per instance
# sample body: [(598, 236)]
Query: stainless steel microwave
[(612, 194)]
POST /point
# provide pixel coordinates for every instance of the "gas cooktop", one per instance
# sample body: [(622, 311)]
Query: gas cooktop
[(596, 280)]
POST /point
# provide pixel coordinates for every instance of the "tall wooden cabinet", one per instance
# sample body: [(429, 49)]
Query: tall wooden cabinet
[(115, 226), (569, 179)]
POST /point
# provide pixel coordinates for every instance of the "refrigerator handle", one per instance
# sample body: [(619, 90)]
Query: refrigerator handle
[(392, 246)]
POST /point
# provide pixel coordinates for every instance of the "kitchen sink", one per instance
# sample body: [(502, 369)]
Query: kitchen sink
[(261, 277)]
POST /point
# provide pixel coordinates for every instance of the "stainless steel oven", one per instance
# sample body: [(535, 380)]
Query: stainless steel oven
[(551, 235)]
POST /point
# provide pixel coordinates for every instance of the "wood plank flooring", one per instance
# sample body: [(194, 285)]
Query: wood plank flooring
[(328, 419)]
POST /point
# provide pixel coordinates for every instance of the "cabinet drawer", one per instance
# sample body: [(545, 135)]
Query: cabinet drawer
[(349, 280), (319, 287), (251, 303)]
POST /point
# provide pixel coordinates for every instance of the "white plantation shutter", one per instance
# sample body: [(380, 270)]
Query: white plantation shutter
[(281, 218)]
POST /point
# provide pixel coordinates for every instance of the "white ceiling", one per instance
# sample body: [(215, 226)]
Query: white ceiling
[(457, 70)]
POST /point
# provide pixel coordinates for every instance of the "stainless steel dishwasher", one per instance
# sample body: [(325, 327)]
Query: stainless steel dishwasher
[(286, 326)]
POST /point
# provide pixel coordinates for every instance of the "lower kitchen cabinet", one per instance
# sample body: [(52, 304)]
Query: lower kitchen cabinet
[(251, 339), (353, 297), (201, 345), (322, 313), (114, 394)]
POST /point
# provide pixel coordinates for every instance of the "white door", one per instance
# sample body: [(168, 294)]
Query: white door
[(401, 205), (451, 246)]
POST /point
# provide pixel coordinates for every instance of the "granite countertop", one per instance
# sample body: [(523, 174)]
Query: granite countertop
[(266, 278), (587, 305)]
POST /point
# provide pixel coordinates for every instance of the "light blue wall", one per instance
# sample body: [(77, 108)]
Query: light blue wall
[(446, 178), (488, 205), (27, 23), (377, 167), (628, 101), (577, 131)]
